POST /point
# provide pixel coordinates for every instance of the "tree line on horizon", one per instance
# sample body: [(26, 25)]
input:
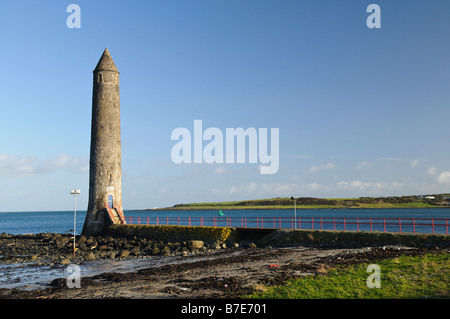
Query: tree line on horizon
[(436, 199), (312, 201)]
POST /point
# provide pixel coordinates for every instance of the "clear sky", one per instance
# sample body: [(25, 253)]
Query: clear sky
[(360, 111)]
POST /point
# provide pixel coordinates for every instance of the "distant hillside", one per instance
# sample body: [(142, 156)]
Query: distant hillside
[(416, 201)]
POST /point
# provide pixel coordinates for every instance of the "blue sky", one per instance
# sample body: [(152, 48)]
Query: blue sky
[(361, 112)]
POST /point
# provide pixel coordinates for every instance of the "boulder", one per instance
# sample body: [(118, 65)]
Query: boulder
[(89, 256), (135, 251), (58, 282), (124, 253), (165, 251), (196, 244), (155, 251), (61, 241), (65, 261)]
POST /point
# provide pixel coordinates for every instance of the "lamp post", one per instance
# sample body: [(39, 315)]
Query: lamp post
[(295, 212), (74, 192)]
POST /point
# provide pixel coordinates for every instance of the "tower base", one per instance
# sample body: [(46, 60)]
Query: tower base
[(96, 223)]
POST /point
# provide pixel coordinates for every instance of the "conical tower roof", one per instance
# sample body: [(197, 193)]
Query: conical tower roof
[(106, 63)]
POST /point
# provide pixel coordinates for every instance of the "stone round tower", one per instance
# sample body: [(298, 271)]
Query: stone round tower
[(105, 173)]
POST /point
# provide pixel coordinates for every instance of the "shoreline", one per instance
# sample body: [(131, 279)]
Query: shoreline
[(231, 273), (258, 208), (278, 208), (136, 268), (410, 201), (226, 274)]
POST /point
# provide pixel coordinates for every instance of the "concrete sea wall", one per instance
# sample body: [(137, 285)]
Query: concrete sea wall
[(281, 237), (323, 238)]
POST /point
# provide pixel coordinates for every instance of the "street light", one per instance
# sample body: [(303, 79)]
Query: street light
[(295, 212), (74, 192)]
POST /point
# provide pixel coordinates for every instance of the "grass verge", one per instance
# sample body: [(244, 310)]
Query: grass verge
[(426, 276)]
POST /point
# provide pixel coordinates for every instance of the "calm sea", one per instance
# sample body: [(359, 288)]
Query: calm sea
[(63, 222)]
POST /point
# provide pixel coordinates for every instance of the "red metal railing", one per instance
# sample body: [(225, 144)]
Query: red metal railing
[(401, 225)]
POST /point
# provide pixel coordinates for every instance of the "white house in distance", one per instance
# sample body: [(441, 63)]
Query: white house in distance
[(425, 197)]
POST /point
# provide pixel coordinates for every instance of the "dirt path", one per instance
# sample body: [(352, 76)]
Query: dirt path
[(223, 274)]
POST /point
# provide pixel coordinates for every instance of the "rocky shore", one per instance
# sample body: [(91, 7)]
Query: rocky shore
[(58, 248)]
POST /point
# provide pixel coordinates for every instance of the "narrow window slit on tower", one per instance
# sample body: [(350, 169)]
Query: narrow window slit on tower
[(100, 78)]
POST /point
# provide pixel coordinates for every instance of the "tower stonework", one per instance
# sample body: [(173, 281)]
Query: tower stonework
[(105, 172)]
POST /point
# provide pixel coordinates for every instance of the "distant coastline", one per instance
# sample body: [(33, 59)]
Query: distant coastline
[(416, 201)]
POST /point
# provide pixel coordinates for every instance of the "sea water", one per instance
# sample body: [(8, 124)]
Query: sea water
[(63, 221), (41, 222)]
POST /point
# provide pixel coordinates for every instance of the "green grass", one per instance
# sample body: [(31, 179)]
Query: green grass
[(426, 276), (287, 203), (404, 205), (208, 206)]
